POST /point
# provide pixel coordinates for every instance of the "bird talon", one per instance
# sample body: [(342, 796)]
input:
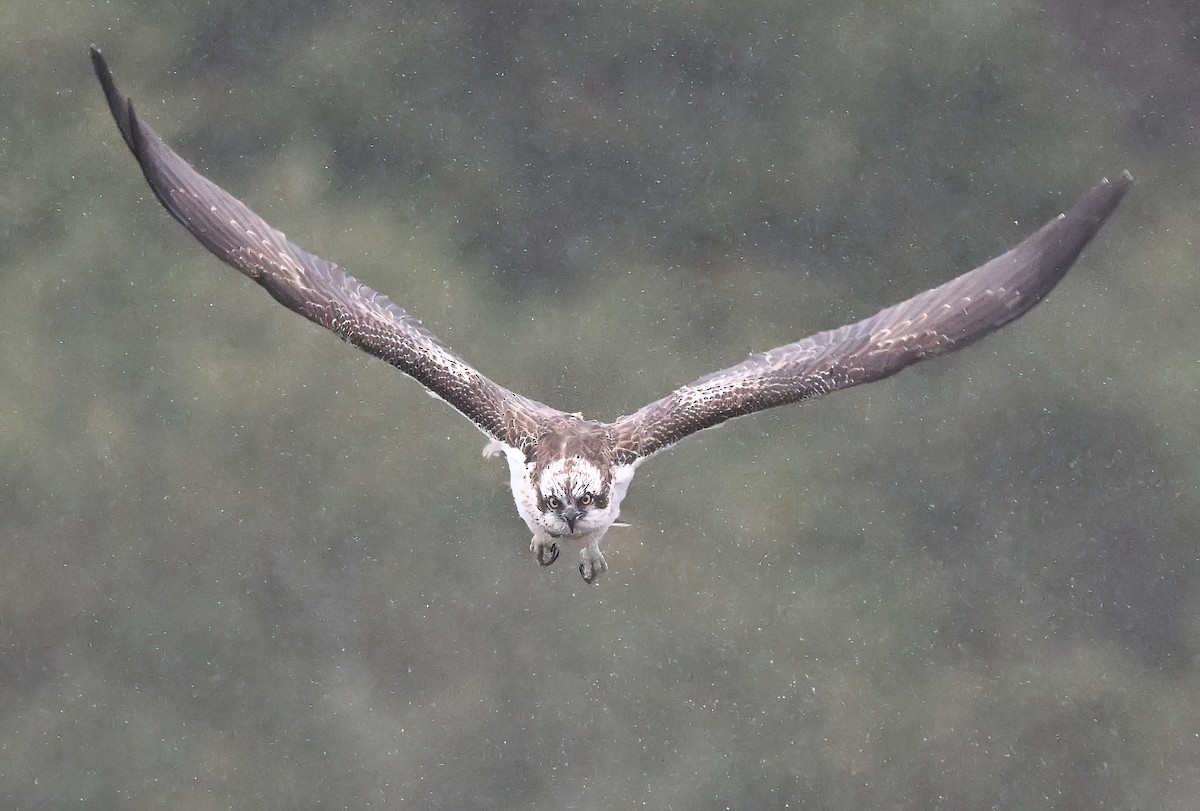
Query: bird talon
[(545, 553), (591, 566)]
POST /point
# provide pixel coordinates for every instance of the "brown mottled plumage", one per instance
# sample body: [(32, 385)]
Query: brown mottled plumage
[(568, 474)]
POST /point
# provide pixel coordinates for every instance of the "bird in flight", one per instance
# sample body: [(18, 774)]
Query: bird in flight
[(569, 474)]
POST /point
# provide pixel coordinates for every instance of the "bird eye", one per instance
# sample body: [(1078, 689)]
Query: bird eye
[(553, 503), (586, 500)]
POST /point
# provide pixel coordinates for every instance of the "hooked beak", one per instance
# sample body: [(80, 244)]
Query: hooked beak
[(570, 515)]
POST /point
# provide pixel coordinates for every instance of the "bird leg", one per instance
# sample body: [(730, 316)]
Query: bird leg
[(545, 550), (591, 562)]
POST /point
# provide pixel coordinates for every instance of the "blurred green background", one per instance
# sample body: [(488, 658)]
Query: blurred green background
[(245, 566)]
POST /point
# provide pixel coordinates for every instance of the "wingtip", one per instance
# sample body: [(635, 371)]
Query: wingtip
[(100, 66), (1117, 186), (120, 108), (1101, 200), (1121, 182)]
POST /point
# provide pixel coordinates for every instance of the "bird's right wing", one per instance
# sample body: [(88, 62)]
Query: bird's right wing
[(315, 288)]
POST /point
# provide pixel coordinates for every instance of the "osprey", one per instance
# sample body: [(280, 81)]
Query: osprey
[(569, 474)]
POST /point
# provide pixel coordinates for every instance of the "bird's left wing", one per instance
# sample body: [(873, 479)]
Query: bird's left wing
[(315, 288), (932, 323)]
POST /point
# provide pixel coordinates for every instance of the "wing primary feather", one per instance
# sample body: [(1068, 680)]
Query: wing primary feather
[(313, 287), (931, 323)]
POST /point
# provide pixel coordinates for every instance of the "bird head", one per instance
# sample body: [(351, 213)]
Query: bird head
[(572, 497)]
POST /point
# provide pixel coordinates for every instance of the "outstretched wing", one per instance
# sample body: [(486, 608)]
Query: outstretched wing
[(316, 289), (945, 318)]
